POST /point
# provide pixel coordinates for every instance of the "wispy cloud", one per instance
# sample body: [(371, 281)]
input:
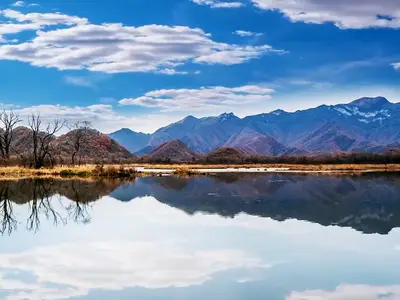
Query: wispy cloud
[(202, 99), (288, 83), (19, 22), (219, 3), (24, 4), (18, 4), (79, 81), (338, 72), (89, 81), (247, 33), (343, 13), (103, 116), (354, 292)]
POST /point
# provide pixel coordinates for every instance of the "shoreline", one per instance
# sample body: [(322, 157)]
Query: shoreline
[(142, 170)]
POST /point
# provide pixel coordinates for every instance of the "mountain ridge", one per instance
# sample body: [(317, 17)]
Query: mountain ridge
[(368, 124)]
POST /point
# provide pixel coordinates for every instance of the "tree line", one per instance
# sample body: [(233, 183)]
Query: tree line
[(389, 157), (38, 148)]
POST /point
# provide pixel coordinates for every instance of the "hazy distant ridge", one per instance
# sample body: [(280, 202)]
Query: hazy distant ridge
[(364, 125)]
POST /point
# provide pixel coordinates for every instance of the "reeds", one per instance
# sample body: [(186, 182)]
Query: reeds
[(126, 171), (185, 171)]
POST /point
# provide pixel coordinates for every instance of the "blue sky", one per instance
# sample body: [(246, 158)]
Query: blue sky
[(145, 63)]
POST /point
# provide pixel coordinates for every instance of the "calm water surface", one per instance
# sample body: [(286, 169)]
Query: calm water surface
[(231, 237)]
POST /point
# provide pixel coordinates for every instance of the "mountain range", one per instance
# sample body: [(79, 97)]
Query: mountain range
[(363, 125)]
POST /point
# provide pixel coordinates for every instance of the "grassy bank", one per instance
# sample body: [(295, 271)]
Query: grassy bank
[(298, 167), (124, 171), (84, 171)]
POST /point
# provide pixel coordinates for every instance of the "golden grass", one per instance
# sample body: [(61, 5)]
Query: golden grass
[(87, 171), (294, 167), (59, 170), (185, 171)]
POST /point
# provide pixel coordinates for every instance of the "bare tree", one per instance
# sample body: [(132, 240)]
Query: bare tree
[(8, 121), (42, 138), (41, 205), (79, 132), (8, 223)]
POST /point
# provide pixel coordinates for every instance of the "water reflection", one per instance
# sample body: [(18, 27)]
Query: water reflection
[(166, 239), (369, 204), (39, 196)]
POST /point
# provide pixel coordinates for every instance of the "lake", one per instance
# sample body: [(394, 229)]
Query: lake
[(237, 237)]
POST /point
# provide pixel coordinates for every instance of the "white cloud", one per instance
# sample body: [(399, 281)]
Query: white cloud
[(169, 71), (9, 28), (219, 4), (202, 99), (18, 4), (80, 268), (102, 116), (115, 48), (24, 4), (43, 19), (98, 112), (236, 54), (34, 21), (247, 33), (344, 14), (396, 66), (353, 292)]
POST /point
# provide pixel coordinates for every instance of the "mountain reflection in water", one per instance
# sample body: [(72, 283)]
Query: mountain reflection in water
[(369, 204)]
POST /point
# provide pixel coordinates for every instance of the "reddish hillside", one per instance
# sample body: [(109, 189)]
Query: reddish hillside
[(22, 140), (226, 155), (173, 151), (96, 146)]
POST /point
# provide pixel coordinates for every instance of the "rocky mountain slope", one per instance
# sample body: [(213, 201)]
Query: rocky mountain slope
[(364, 125)]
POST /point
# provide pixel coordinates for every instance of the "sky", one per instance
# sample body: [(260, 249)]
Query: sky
[(142, 64)]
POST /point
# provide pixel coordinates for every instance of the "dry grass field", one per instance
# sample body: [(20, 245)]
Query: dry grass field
[(86, 171)]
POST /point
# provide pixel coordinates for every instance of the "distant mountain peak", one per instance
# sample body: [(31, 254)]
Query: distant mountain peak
[(131, 140), (231, 114), (190, 118), (227, 116), (278, 112), (370, 102), (187, 119), (125, 130)]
